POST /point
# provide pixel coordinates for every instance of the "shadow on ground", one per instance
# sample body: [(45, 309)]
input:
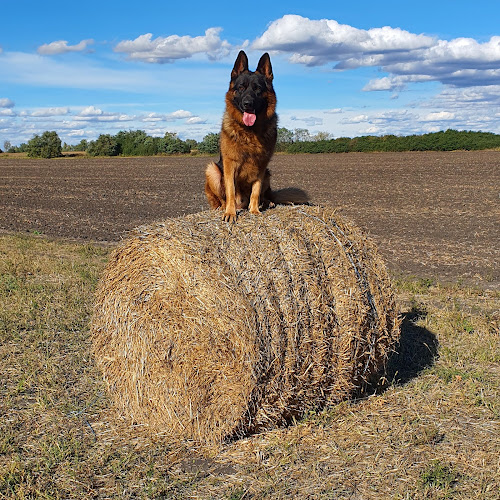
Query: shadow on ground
[(416, 351)]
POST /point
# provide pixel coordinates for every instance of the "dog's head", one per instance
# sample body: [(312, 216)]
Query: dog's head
[(251, 92)]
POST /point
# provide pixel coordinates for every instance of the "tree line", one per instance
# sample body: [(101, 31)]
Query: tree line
[(449, 140), (138, 143)]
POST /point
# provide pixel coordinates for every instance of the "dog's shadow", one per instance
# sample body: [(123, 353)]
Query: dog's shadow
[(416, 351), (290, 196)]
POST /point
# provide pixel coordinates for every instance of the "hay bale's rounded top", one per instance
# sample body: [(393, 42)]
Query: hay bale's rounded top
[(209, 330)]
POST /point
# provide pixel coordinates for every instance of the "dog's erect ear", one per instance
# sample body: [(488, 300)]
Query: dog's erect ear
[(240, 65), (264, 67)]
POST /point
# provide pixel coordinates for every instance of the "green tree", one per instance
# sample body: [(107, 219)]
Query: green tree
[(82, 145), (173, 145), (285, 138), (105, 145), (192, 144), (48, 145), (321, 136), (132, 142), (209, 144), (23, 148), (301, 135), (6, 145)]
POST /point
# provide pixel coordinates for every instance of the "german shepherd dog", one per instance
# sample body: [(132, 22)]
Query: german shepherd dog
[(241, 179)]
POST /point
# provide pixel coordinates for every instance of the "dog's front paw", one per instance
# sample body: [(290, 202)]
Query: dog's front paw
[(229, 217), (255, 211)]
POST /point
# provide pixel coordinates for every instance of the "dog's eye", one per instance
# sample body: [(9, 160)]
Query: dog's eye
[(241, 88)]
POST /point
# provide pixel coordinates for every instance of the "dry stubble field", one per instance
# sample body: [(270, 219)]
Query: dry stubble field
[(433, 433)]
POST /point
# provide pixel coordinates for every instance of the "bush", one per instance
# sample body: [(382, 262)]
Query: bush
[(173, 145), (105, 145), (132, 143), (48, 145), (138, 143), (81, 146), (449, 140), (284, 140), (23, 148), (209, 144)]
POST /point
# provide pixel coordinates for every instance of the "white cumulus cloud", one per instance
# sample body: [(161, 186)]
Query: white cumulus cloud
[(153, 117), (76, 133), (62, 47), (317, 42), (406, 57), (91, 111), (93, 114), (6, 103), (180, 114), (195, 120), (46, 112), (439, 116), (356, 119), (168, 49)]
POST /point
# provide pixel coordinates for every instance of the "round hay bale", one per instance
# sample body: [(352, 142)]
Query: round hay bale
[(211, 331)]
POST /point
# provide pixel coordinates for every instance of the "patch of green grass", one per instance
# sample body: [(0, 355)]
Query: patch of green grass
[(12, 478), (414, 284), (439, 475), (452, 373), (88, 250), (8, 283), (237, 494)]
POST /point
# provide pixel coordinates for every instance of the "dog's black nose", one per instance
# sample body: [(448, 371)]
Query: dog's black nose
[(247, 103)]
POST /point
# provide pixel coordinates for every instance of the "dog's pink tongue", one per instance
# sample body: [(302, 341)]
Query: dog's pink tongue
[(249, 119)]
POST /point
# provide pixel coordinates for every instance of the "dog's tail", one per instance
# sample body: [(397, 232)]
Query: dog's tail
[(289, 196), (214, 187)]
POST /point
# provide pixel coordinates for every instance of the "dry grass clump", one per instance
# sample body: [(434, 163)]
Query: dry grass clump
[(209, 331)]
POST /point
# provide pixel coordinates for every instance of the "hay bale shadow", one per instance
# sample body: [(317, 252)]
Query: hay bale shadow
[(416, 351)]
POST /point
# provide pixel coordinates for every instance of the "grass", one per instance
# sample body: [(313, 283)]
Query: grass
[(433, 432), (438, 476)]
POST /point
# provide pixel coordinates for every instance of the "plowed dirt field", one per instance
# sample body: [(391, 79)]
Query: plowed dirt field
[(433, 215)]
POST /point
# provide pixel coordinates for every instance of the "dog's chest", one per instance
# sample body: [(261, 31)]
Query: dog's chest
[(246, 144)]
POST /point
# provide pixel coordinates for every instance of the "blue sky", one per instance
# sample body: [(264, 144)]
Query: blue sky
[(345, 68)]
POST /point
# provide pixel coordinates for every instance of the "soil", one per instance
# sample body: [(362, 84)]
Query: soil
[(434, 215)]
